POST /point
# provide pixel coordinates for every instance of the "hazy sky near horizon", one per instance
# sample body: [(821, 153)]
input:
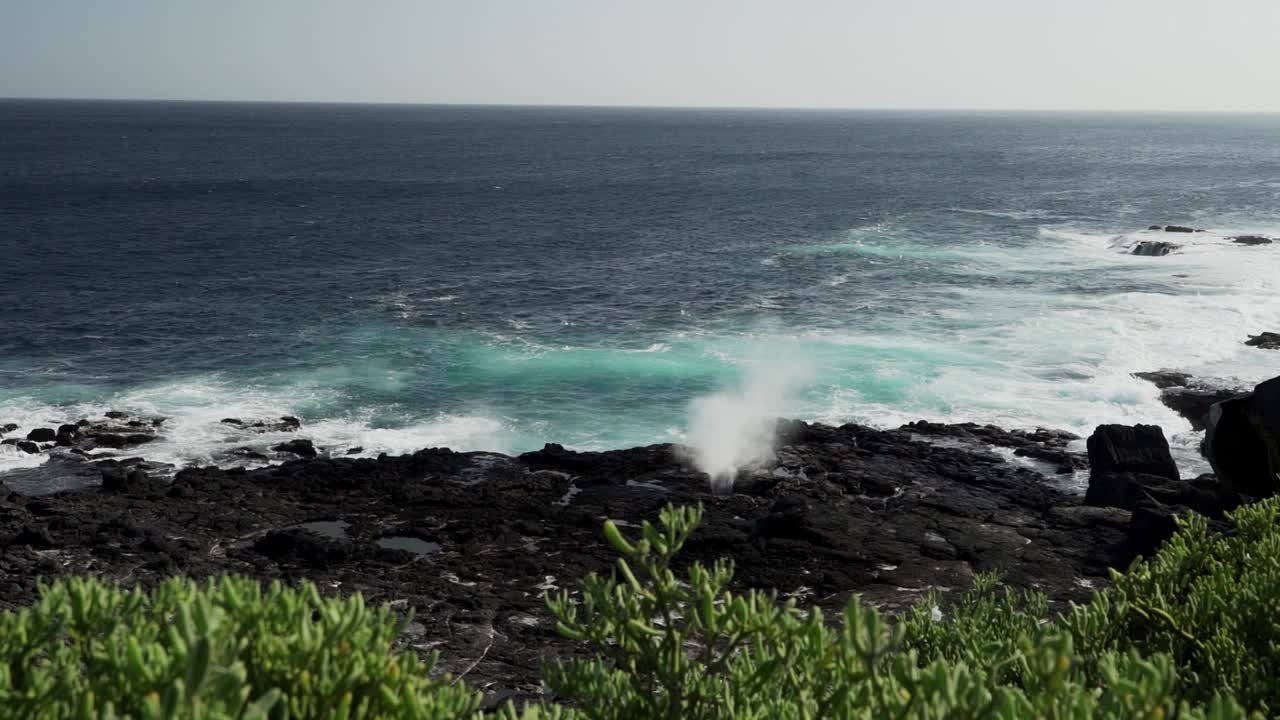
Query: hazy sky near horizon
[(944, 54)]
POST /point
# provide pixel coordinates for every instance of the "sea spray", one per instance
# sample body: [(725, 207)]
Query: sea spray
[(736, 429)]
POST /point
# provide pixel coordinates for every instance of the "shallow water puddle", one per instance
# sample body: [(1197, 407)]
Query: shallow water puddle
[(336, 529), (414, 545)]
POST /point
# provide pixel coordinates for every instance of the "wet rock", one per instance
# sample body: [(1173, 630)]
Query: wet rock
[(1242, 441), (118, 441), (1194, 403), (42, 435), (287, 423), (1252, 240), (28, 447), (1154, 248), (1165, 378), (68, 435), (1130, 449), (10, 441), (116, 415), (355, 451), (250, 454), (8, 428), (1178, 229), (301, 448), (1155, 227), (122, 475), (1265, 341)]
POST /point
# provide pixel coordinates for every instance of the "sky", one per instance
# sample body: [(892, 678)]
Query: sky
[(1201, 55)]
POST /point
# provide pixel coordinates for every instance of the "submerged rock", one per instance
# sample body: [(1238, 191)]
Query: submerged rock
[(301, 448), (1252, 240), (1154, 248), (1179, 229)]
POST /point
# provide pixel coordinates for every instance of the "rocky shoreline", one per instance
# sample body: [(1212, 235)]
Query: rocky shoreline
[(471, 541)]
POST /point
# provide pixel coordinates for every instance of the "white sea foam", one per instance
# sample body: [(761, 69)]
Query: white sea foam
[(11, 458), (1065, 360), (1027, 214), (193, 433)]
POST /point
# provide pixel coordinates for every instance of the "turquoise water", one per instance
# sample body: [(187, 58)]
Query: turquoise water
[(489, 278)]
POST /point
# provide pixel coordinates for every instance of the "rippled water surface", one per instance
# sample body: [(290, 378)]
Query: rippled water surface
[(497, 278)]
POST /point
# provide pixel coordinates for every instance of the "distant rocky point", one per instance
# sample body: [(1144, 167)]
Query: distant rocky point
[(1265, 341)]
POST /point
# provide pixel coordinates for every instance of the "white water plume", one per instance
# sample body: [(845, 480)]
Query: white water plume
[(736, 429)]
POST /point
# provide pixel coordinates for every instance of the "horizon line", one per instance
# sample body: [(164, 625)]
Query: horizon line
[(625, 106)]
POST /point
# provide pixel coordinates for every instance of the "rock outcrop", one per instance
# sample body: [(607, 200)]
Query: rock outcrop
[(40, 435), (1243, 441), (1265, 341), (1189, 397), (1154, 248), (1119, 449), (1252, 240), (301, 448)]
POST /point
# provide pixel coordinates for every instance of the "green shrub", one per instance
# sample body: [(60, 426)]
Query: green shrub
[(1209, 600), (672, 648), (1189, 633), (227, 650)]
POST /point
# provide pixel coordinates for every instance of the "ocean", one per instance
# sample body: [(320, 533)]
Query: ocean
[(491, 278)]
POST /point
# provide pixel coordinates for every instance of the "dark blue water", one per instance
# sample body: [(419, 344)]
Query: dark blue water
[(502, 277)]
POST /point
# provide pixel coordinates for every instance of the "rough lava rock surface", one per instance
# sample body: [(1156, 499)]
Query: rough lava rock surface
[(1243, 441), (887, 514)]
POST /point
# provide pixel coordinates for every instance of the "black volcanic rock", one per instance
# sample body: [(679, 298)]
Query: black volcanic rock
[(1243, 441), (1154, 248), (1165, 378), (28, 447), (887, 514), (301, 448), (1265, 341), (1252, 240), (1155, 227), (1140, 449), (8, 428), (43, 435), (1178, 229), (1189, 397), (116, 415), (1194, 403), (119, 441)]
